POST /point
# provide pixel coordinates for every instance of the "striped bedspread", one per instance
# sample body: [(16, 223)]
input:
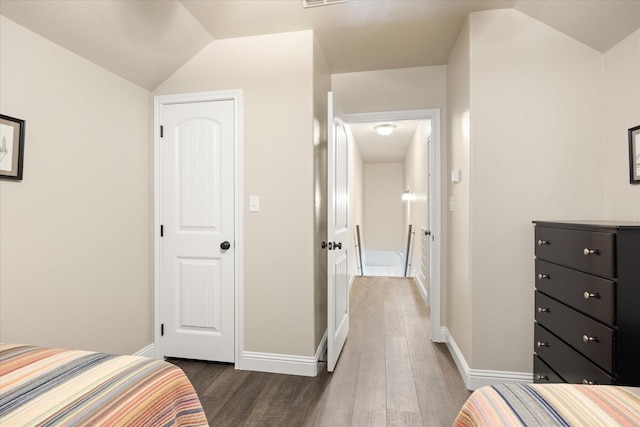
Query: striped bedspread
[(551, 405), (54, 387)]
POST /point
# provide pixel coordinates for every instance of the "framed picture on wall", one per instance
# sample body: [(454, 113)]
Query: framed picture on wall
[(634, 155), (11, 147)]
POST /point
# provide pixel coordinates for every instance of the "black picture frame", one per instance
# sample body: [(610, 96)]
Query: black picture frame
[(11, 147), (634, 155)]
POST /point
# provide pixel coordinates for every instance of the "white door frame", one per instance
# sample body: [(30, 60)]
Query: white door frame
[(435, 208), (159, 101)]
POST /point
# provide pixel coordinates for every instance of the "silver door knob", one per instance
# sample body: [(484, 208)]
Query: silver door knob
[(587, 338), (588, 295), (543, 242), (543, 276), (542, 344), (588, 252)]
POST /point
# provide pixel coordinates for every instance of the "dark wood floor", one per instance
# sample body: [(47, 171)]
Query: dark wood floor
[(389, 373)]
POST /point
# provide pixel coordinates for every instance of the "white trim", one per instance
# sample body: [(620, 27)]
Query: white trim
[(476, 378), (422, 289), (236, 96), (322, 347), (435, 214), (148, 351), (284, 363)]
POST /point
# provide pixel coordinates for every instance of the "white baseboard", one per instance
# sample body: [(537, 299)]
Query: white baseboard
[(476, 378), (283, 363), (423, 290), (145, 352)]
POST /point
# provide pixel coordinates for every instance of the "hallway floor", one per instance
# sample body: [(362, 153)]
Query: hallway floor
[(389, 373)]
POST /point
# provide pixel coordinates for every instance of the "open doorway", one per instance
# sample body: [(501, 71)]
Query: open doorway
[(418, 183), (394, 185)]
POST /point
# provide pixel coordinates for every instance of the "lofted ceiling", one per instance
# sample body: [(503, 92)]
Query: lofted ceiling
[(146, 41)]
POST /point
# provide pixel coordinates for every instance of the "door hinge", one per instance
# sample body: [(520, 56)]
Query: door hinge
[(161, 131), (162, 329), (162, 231)]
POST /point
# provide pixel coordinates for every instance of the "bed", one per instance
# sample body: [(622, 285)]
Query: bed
[(50, 387), (551, 405)]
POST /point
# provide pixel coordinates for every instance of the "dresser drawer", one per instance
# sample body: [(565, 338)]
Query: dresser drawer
[(589, 294), (543, 374), (589, 337), (588, 251), (568, 363)]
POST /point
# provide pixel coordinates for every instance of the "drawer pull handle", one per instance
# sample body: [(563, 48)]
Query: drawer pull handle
[(542, 377), (588, 295), (542, 344), (543, 276), (588, 252), (587, 382), (543, 310), (587, 338), (543, 242)]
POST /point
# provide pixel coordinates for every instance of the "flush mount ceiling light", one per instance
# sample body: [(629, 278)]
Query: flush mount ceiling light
[(384, 128), (314, 3)]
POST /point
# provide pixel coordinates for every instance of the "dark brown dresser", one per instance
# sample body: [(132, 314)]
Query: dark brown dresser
[(587, 302)]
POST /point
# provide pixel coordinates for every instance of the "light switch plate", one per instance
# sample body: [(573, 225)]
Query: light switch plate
[(254, 203)]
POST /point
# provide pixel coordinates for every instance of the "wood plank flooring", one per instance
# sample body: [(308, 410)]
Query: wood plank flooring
[(389, 373)]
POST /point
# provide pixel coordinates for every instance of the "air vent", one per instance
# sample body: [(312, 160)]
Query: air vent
[(314, 3)]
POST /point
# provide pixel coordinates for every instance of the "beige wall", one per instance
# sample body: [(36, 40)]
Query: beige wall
[(621, 112), (75, 252), (391, 90), (275, 73), (535, 130), (456, 290), (321, 86), (416, 211), (356, 201), (535, 152), (383, 211)]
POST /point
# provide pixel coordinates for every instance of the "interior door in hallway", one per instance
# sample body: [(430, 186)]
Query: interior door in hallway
[(197, 250), (337, 236)]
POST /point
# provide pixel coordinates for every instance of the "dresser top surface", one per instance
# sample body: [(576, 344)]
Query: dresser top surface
[(590, 225)]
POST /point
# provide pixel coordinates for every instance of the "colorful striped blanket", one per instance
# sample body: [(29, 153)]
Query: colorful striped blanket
[(551, 405), (53, 387)]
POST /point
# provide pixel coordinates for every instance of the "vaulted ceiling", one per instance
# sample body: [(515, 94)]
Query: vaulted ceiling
[(145, 41)]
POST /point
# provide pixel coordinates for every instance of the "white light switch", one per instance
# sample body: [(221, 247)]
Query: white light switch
[(254, 203)]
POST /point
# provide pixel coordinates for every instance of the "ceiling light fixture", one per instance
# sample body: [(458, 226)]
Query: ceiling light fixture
[(385, 128), (314, 3)]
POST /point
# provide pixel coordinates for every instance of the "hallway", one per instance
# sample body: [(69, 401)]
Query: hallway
[(389, 373)]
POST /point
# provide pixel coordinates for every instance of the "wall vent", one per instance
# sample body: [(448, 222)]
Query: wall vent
[(315, 3)]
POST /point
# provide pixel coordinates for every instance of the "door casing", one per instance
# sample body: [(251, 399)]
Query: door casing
[(159, 101)]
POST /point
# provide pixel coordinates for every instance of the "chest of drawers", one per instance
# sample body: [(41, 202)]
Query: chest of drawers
[(587, 302)]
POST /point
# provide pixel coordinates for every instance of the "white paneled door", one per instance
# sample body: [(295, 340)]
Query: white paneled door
[(337, 237), (197, 249)]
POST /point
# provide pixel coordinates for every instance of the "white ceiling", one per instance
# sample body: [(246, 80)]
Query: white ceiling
[(375, 148), (145, 41)]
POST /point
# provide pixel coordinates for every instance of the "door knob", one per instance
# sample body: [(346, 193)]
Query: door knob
[(225, 245), (337, 245)]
